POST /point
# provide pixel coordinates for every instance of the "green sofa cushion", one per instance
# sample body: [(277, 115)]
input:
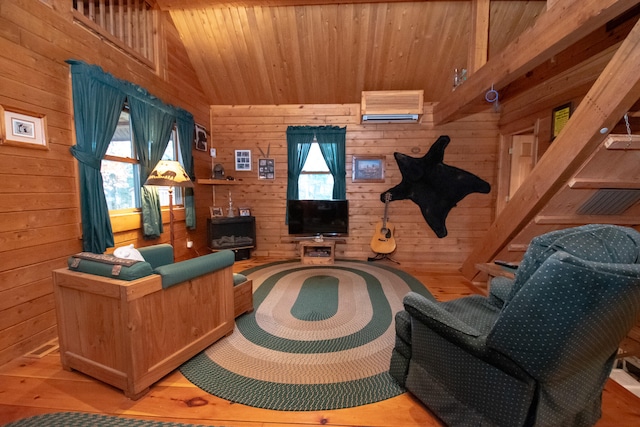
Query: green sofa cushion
[(179, 272), (157, 255), (238, 278)]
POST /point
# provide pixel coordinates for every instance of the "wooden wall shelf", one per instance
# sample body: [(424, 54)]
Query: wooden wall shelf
[(217, 182)]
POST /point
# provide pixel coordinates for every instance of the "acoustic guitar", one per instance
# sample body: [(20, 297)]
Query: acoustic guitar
[(383, 241)]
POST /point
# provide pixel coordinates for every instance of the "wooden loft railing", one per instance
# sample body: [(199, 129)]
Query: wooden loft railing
[(129, 24)]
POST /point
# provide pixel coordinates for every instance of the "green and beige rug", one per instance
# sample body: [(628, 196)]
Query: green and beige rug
[(320, 338), (81, 419)]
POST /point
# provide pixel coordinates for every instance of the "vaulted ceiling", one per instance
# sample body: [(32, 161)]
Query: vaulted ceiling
[(329, 51)]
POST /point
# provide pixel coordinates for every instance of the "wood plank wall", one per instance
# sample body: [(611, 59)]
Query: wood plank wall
[(39, 203), (473, 147)]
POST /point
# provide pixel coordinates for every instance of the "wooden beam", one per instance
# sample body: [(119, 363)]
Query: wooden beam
[(199, 4), (555, 30), (611, 96), (586, 219), (479, 43), (622, 142), (597, 184)]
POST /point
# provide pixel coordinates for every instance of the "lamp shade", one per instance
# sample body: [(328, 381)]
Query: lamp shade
[(169, 173)]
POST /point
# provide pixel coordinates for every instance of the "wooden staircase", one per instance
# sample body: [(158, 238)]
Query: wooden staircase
[(585, 161)]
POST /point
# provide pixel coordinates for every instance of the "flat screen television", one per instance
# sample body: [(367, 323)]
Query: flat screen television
[(315, 217)]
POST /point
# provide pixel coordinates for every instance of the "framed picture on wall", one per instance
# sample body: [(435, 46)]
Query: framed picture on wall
[(243, 160), (23, 128), (215, 211), (368, 169), (559, 118), (266, 169), (200, 138)]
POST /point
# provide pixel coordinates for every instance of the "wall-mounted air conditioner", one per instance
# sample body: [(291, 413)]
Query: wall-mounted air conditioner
[(390, 118), (392, 106)]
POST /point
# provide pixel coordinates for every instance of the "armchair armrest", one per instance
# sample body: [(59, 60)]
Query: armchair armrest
[(179, 272), (432, 314), (458, 333)]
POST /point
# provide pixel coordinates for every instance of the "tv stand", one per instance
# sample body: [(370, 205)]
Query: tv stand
[(313, 252)]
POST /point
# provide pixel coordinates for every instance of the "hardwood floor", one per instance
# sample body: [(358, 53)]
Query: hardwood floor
[(30, 386)]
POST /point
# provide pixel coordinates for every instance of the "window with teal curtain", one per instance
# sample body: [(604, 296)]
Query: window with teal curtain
[(299, 139), (331, 140), (186, 125), (151, 127), (95, 124), (98, 99)]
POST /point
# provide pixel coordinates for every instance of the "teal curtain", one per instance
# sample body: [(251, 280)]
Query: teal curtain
[(186, 127), (98, 99), (299, 139), (332, 143), (151, 128), (95, 124)]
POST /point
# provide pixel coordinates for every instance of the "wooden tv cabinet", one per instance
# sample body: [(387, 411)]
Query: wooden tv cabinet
[(317, 253)]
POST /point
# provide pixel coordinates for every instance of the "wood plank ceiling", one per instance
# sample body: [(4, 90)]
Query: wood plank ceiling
[(328, 52)]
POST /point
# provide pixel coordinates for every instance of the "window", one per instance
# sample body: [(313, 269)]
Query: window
[(129, 25), (120, 169), (315, 182), (303, 143)]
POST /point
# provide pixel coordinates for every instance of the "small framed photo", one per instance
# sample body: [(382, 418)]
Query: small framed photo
[(266, 169), (368, 169), (244, 211), (243, 160), (215, 211), (200, 138), (23, 128)]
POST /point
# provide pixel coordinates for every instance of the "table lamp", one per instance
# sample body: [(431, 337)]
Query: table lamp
[(169, 173)]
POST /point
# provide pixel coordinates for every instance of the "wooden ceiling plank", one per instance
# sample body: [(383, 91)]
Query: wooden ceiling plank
[(242, 77), (615, 91), (266, 38), (189, 39), (534, 46), (295, 70), (254, 56), (191, 4), (215, 67), (479, 43)]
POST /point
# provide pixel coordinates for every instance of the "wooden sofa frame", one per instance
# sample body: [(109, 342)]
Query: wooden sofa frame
[(130, 334)]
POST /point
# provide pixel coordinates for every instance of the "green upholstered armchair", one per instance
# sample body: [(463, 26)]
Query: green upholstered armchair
[(538, 350)]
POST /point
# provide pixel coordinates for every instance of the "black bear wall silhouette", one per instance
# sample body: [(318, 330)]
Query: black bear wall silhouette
[(434, 186)]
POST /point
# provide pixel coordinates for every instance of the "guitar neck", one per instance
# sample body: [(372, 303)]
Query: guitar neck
[(386, 207)]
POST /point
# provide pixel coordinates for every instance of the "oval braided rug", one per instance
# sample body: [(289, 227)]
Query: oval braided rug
[(320, 338)]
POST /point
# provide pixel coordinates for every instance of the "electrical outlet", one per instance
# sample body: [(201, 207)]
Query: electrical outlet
[(212, 152)]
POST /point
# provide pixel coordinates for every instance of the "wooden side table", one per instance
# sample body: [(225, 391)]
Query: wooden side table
[(317, 253)]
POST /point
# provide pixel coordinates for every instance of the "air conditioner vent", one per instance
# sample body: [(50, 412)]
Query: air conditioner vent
[(610, 201), (390, 118)]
